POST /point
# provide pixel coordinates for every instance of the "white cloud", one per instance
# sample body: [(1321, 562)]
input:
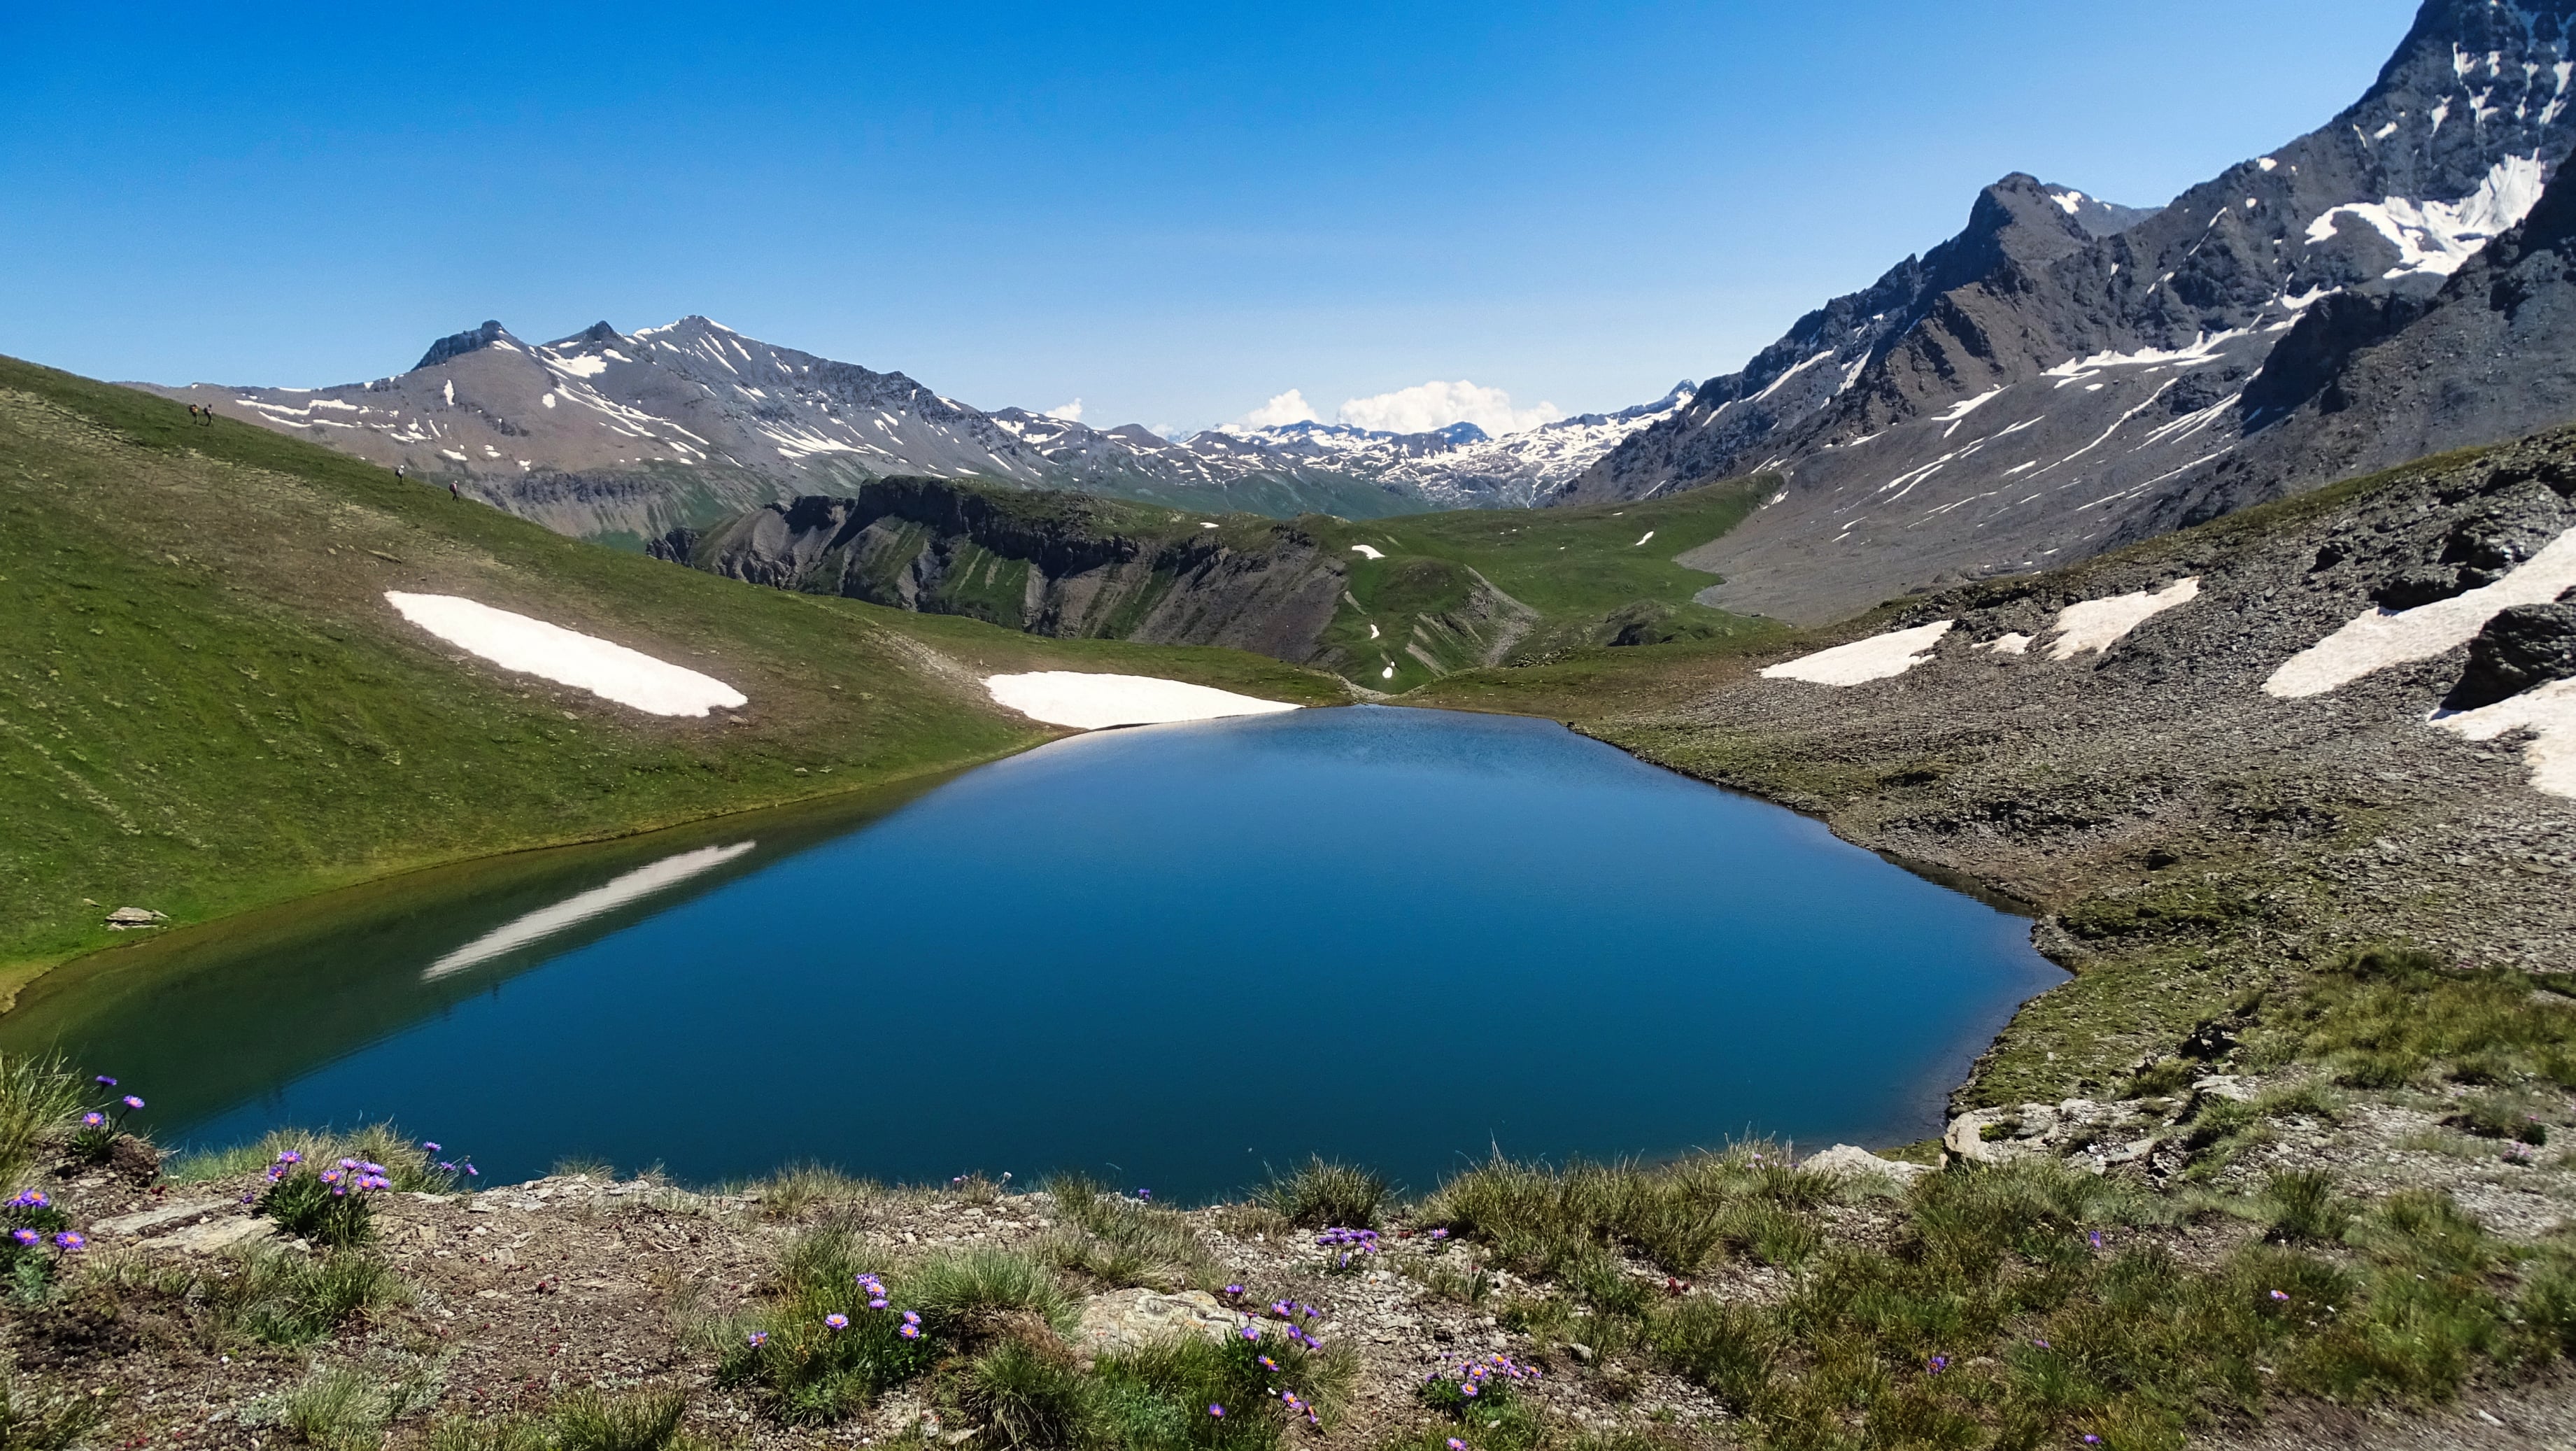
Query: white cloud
[(1288, 407), (1069, 413), (1427, 406)]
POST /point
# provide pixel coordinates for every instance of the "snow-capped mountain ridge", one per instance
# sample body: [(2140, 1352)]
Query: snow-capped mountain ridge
[(2103, 362), (604, 432)]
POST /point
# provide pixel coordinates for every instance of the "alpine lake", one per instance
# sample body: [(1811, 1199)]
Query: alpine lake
[(1175, 957)]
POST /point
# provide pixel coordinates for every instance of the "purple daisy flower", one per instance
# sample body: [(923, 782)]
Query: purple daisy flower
[(837, 1321), (433, 1148), (2278, 1297), (757, 1339), (27, 1237), (93, 1120), (132, 1102), (105, 1082), (1217, 1411), (909, 1332), (71, 1239)]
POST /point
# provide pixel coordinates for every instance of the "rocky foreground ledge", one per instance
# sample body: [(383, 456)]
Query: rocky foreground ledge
[(1609, 1307)]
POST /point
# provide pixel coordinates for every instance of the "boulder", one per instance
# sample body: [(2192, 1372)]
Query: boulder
[(1845, 1161), (125, 919), (2522, 647), (1123, 1321)]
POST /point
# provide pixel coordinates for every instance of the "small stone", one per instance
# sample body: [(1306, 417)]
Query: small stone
[(128, 917), (1582, 1353)]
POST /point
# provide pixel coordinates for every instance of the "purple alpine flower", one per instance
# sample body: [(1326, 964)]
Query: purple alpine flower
[(837, 1321), (70, 1239), (93, 1119), (132, 1102), (27, 1237), (756, 1339), (909, 1332), (105, 1082)]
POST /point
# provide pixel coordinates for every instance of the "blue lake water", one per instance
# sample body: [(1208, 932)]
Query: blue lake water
[(1169, 956)]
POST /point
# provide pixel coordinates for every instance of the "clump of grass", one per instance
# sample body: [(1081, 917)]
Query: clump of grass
[(1123, 1242), (1194, 1395), (2490, 1116), (974, 1292), (40, 1096), (2304, 1207), (585, 1420), (334, 1408), (290, 1299), (44, 1423), (832, 1338), (1025, 1397), (1322, 1194), (800, 1189), (411, 1166), (329, 1204), (1729, 1348), (1677, 1215)]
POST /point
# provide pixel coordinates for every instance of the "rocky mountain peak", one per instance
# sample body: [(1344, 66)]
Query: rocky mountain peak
[(457, 345)]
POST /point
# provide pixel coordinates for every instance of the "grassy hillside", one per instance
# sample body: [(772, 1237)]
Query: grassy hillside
[(1599, 575), (205, 703)]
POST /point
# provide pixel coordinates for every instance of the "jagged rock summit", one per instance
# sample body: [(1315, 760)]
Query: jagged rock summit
[(2029, 391)]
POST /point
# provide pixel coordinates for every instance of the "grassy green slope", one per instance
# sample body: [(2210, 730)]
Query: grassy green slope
[(206, 705)]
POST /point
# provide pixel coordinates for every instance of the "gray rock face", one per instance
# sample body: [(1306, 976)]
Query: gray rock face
[(2363, 383), (2036, 390)]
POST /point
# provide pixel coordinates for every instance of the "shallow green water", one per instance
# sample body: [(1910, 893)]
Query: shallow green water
[(1169, 956)]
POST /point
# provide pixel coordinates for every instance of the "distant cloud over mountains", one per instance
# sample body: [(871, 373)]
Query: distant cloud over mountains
[(1422, 408)]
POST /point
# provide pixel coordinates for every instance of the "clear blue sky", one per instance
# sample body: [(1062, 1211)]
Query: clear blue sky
[(1171, 212)]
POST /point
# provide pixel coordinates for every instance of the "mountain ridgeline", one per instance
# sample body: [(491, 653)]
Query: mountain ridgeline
[(2063, 376), (1387, 604), (2055, 378), (624, 437)]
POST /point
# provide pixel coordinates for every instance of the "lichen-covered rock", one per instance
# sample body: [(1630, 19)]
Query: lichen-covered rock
[(1851, 1161), (1128, 1320)]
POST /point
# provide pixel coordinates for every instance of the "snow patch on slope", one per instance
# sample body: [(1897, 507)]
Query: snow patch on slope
[(2549, 712), (2380, 639), (1096, 702), (567, 657), (2435, 238), (2097, 625), (1881, 657)]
